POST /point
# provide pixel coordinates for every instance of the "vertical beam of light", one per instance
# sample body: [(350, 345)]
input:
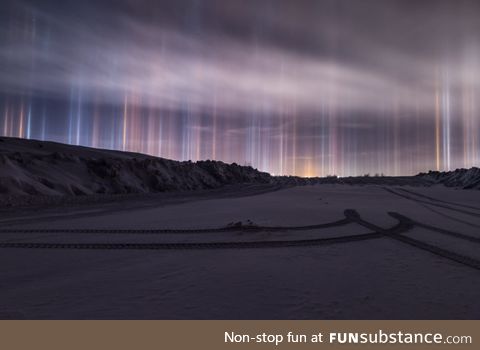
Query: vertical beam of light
[(21, 122), (172, 143), (420, 151), (186, 139), (29, 122), (323, 142), (44, 123), (124, 125), (333, 142), (114, 133), (294, 143), (332, 122), (446, 123), (79, 118), (70, 118), (214, 131), (250, 139), (160, 137), (11, 122), (475, 126), (281, 132), (95, 142), (198, 138), (5, 120), (281, 115), (469, 126), (151, 140), (465, 126), (395, 129), (437, 128), (132, 125)]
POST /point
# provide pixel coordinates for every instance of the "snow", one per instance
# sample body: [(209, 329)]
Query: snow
[(376, 279)]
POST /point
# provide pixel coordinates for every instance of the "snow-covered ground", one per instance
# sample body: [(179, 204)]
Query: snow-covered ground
[(432, 271)]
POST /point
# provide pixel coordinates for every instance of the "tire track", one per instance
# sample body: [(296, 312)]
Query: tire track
[(233, 228), (459, 258), (438, 200), (443, 214), (409, 224), (195, 246), (466, 212), (349, 214), (440, 230), (405, 224)]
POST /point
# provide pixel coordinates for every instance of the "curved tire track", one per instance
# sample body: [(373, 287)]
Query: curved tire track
[(349, 214), (247, 228), (192, 246)]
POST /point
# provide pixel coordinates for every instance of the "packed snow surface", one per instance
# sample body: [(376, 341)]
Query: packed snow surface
[(380, 278)]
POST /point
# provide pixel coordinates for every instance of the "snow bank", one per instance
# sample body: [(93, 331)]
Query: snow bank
[(462, 178), (30, 167), (37, 168)]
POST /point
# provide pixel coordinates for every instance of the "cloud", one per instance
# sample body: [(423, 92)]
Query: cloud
[(358, 66)]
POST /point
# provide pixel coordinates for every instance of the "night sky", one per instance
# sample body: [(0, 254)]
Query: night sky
[(298, 87)]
